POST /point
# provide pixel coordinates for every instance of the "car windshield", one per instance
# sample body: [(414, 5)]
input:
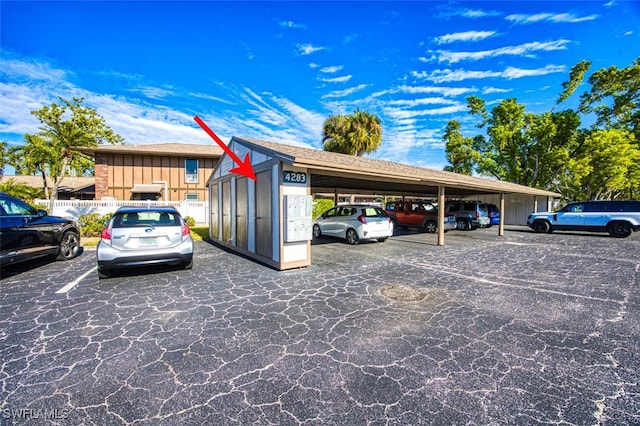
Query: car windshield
[(146, 218), (373, 212)]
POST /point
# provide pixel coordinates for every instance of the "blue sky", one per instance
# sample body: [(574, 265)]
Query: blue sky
[(276, 70)]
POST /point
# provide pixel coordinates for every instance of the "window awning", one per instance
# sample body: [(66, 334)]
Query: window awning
[(146, 189)]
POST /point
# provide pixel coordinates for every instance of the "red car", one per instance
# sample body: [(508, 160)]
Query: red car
[(417, 214)]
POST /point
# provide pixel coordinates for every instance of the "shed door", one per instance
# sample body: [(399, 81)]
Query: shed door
[(226, 211), (242, 239), (264, 235), (214, 225)]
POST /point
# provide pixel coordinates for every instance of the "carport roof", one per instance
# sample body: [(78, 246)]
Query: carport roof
[(332, 171)]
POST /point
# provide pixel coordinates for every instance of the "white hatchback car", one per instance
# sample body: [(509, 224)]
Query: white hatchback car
[(354, 222), (142, 236)]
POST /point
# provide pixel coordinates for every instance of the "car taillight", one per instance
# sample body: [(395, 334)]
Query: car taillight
[(106, 233), (185, 230), (362, 218), (477, 214)]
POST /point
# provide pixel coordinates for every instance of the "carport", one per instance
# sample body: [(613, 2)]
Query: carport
[(270, 219)]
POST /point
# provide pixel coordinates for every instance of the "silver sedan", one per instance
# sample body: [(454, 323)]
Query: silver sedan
[(140, 236)]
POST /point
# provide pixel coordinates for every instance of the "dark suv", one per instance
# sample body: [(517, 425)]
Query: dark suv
[(469, 214), (27, 233)]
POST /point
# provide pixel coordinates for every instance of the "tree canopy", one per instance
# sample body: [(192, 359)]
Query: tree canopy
[(52, 153), (551, 150), (356, 134)]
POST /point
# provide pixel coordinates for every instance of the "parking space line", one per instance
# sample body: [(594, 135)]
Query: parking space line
[(72, 284)]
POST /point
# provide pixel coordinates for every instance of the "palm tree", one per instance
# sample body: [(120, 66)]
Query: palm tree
[(3, 157), (20, 190), (356, 134)]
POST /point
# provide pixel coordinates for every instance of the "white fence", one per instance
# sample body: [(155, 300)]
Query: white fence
[(199, 210)]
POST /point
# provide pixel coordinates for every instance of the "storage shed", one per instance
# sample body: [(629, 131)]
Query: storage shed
[(269, 219)]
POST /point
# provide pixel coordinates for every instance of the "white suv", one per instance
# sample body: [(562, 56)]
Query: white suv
[(354, 222), (618, 218)]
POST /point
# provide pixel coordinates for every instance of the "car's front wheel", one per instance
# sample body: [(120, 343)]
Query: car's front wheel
[(541, 226), (352, 236), (619, 229), (317, 233), (69, 246)]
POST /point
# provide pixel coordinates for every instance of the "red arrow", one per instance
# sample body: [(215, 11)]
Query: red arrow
[(244, 167)]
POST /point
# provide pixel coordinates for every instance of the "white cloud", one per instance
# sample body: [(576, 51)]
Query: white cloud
[(464, 36), (342, 79), (489, 90), (209, 97), (402, 113), (32, 70), (519, 50), (153, 92), (331, 70), (445, 91), (345, 92), (448, 75), (307, 49), (261, 116), (291, 24), (475, 13), (513, 72), (421, 101), (549, 17)]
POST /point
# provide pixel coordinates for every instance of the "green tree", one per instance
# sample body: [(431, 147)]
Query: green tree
[(4, 157), (52, 151), (460, 152), (525, 148), (576, 76), (608, 166), (20, 190), (614, 98), (33, 158), (356, 134), (550, 150)]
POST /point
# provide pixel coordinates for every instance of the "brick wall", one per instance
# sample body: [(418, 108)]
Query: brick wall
[(102, 177)]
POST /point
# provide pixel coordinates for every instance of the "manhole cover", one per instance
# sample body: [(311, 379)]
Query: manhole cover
[(403, 293)]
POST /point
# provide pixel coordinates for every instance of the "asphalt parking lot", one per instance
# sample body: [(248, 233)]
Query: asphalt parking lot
[(523, 329)]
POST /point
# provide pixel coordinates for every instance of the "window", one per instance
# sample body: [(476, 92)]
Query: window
[(374, 212), (191, 170), (17, 207), (331, 213), (573, 208)]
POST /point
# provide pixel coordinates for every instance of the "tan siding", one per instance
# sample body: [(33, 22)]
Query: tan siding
[(123, 170)]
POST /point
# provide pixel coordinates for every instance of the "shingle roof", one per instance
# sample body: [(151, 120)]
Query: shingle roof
[(173, 149), (370, 168), (69, 183)]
